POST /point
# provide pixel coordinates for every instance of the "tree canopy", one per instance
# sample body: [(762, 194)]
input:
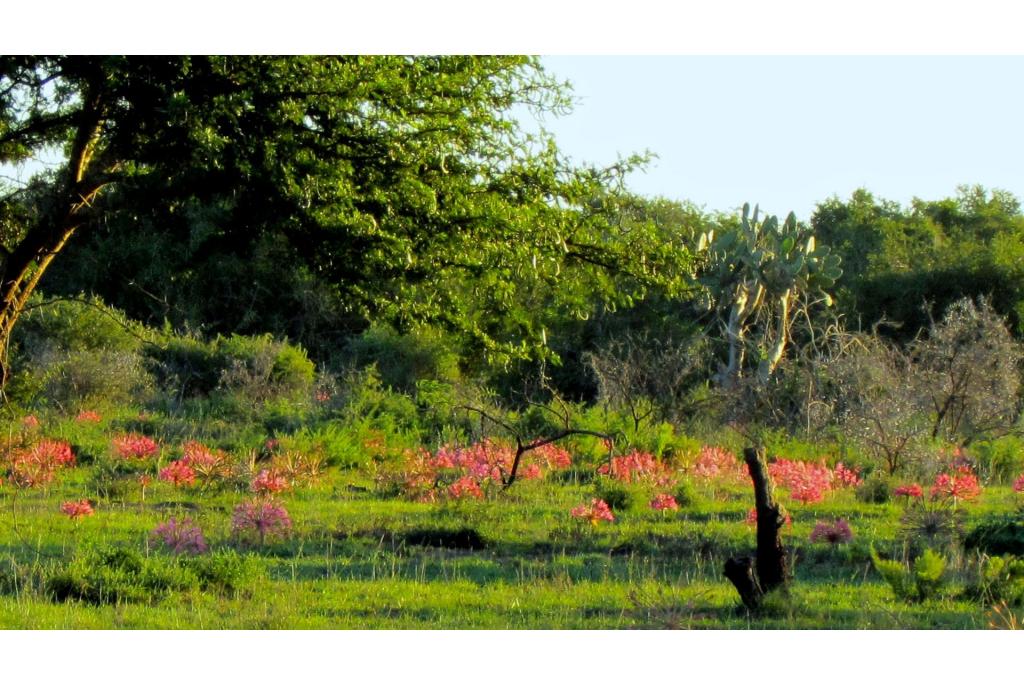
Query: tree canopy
[(383, 188)]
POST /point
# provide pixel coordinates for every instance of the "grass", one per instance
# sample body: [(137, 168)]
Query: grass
[(356, 559)]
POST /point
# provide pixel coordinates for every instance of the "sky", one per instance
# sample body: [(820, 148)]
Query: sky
[(790, 132)]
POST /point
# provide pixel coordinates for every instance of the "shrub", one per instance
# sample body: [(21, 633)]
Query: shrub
[(404, 360), (616, 495), (917, 584), (876, 489), (226, 571), (998, 579), (999, 461), (998, 534), (115, 575), (256, 368)]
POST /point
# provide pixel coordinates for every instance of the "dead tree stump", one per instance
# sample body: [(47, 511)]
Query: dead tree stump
[(754, 577)]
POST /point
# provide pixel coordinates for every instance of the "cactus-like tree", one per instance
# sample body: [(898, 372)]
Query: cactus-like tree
[(753, 277)]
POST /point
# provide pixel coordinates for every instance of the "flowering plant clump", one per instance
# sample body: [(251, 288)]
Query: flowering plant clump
[(428, 475), (206, 463), (134, 446), (716, 463), (844, 477), (1018, 485), (269, 482), (597, 511), (637, 466), (30, 422), (180, 537), (76, 510), (663, 502), (178, 474), (56, 451), (832, 533), (464, 488), (37, 465), (262, 517), (910, 490), (87, 416), (805, 481), (963, 485)]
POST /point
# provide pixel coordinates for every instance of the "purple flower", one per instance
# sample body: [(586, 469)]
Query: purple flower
[(180, 537), (265, 518)]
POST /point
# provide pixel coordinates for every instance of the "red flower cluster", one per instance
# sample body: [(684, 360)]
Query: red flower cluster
[(269, 482), (1018, 485), (37, 465), (76, 510), (637, 466), (909, 490), (178, 473), (805, 481), (715, 463), (134, 446), (595, 513), (960, 486), (843, 477), (465, 487), (834, 533), (87, 416), (664, 502), (205, 462)]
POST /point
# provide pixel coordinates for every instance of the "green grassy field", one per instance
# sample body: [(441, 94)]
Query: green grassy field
[(357, 559)]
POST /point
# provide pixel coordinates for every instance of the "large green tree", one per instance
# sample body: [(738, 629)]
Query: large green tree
[(403, 187)]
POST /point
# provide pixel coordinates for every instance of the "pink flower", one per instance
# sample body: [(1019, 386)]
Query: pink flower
[(909, 490), (30, 421), (1018, 485), (57, 451), (180, 537), (833, 533), (76, 510), (595, 513), (134, 446), (637, 466), (265, 518), (269, 482), (844, 477), (178, 473), (664, 502), (531, 472), (86, 416), (806, 482), (716, 463)]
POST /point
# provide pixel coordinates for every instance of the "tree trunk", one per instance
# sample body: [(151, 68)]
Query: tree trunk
[(755, 577), (25, 265)]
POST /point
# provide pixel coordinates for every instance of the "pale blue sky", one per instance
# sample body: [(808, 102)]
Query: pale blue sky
[(789, 132)]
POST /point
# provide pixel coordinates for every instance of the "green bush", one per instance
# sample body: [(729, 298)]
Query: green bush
[(921, 582), (999, 461), (70, 353), (617, 496), (226, 572), (404, 360), (114, 575), (876, 489), (998, 579), (251, 369), (998, 534)]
